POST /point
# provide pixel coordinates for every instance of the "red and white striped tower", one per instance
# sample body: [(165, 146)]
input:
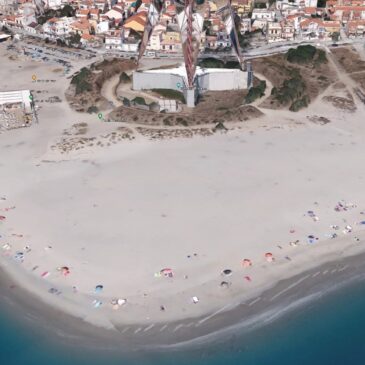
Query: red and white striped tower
[(189, 50)]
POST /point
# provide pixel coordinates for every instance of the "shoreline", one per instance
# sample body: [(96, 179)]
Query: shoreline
[(118, 212), (270, 306)]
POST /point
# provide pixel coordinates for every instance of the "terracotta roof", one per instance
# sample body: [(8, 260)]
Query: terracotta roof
[(349, 8), (306, 22), (83, 11), (136, 18), (171, 8), (81, 25), (310, 10), (53, 20)]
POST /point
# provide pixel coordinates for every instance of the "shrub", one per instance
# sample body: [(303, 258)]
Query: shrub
[(301, 54), (321, 57), (211, 62), (290, 90), (124, 78), (256, 92), (170, 94), (139, 100), (92, 109), (80, 81), (299, 103)]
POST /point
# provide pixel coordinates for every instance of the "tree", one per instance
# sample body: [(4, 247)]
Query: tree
[(67, 10), (75, 39), (335, 36)]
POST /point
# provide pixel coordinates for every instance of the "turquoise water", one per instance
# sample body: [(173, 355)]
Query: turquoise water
[(330, 331)]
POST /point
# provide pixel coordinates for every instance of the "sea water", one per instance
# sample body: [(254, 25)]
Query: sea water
[(328, 331)]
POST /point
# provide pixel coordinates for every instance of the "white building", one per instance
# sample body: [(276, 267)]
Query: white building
[(102, 27), (263, 14), (22, 97), (57, 27), (113, 40), (245, 25), (54, 4), (155, 41)]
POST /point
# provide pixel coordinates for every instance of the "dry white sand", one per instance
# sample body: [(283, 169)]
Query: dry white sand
[(117, 215)]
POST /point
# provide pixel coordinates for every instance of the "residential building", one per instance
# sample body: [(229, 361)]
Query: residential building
[(136, 22), (245, 25), (242, 6), (102, 27), (274, 32), (171, 42), (223, 40), (57, 27), (288, 30), (113, 40), (263, 14), (355, 28), (80, 27)]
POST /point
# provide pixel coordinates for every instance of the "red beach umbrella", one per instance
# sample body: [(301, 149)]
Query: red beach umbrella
[(167, 272), (246, 263)]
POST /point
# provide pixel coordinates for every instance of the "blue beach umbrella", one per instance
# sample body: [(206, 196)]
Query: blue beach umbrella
[(98, 288)]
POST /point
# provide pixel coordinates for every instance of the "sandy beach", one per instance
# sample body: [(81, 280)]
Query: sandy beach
[(97, 224)]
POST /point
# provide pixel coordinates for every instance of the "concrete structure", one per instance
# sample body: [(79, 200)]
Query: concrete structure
[(22, 97), (4, 37), (16, 109), (212, 79)]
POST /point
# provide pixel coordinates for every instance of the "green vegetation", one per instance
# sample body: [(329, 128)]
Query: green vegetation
[(301, 54), (306, 54), (256, 92), (74, 39), (170, 94), (321, 57), (212, 62), (67, 10), (80, 81), (139, 100), (292, 91), (244, 39), (126, 102), (154, 107), (92, 109), (124, 78), (182, 121), (335, 36), (299, 103)]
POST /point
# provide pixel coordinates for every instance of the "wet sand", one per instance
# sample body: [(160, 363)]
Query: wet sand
[(283, 299)]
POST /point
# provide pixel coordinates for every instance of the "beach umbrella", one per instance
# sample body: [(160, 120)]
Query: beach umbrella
[(2, 218), (65, 270), (224, 284), (121, 302), (269, 257), (227, 272), (312, 239), (98, 288), (248, 278), (246, 263), (167, 272)]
